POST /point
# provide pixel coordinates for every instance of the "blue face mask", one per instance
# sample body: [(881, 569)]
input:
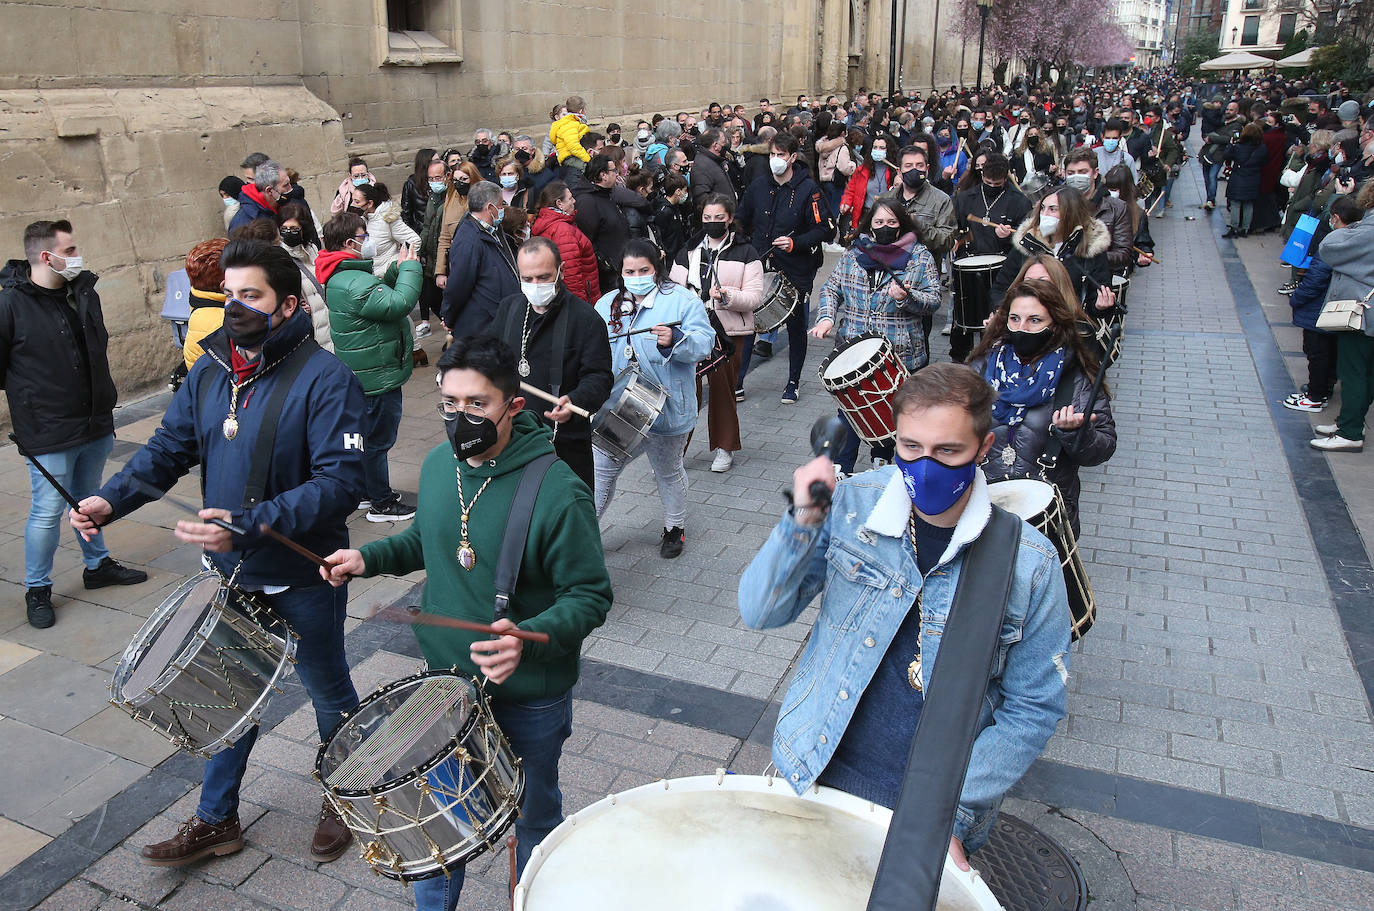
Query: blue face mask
[(359, 181), (934, 486), (508, 181), (640, 285), (1111, 144), (500, 217), (436, 186), (978, 125)]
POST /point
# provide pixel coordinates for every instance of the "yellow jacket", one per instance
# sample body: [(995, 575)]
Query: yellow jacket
[(206, 317), (566, 135)]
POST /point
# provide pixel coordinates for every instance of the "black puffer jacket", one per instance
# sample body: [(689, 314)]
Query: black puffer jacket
[(414, 200), (1029, 438), (59, 386), (1084, 255)]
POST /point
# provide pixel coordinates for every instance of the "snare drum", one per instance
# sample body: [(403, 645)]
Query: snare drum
[(726, 842), (779, 303), (862, 374), (1040, 504), (973, 280), (624, 421), (201, 670), (422, 775)]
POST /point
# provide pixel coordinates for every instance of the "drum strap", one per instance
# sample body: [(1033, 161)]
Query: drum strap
[(518, 530), (913, 858), (267, 431), (1063, 397)]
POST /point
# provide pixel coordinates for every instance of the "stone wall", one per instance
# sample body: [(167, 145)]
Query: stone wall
[(123, 115)]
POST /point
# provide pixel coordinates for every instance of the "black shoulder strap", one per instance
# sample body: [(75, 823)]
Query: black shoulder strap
[(518, 530), (913, 858), (560, 347), (309, 273), (286, 372), (1063, 397)]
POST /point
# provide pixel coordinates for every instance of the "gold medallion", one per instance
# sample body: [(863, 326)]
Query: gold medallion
[(913, 674), (467, 557), (231, 427)]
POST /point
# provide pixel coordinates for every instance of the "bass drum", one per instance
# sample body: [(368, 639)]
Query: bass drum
[(725, 843)]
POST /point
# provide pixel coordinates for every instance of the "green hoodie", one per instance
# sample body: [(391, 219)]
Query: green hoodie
[(563, 589)]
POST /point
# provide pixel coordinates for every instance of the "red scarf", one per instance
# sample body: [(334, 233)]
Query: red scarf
[(243, 368), (253, 193)]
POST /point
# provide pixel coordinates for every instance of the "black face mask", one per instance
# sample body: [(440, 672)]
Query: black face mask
[(715, 229), (471, 438), (913, 180), (1028, 345), (246, 327), (614, 138), (291, 237), (886, 234), (522, 156), (355, 210), (992, 191), (462, 187)]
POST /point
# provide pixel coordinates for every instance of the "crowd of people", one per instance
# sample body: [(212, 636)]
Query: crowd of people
[(569, 269)]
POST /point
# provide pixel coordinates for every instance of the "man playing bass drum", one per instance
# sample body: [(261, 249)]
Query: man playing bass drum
[(893, 545)]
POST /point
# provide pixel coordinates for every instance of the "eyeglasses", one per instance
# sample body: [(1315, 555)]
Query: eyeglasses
[(474, 413)]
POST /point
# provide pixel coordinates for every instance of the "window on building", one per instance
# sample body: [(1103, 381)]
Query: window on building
[(1249, 35), (1288, 27), (420, 32), (1254, 4)]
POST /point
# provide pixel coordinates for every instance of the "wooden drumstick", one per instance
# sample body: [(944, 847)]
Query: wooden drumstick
[(676, 322), (286, 542), (1154, 259), (398, 616), (979, 220), (511, 842), (541, 394)]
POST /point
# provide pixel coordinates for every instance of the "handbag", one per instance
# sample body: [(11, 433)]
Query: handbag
[(1296, 252), (1290, 178), (1344, 315)]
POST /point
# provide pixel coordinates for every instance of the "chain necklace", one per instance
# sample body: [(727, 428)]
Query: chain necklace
[(230, 427), (523, 368), (913, 670), (467, 557)]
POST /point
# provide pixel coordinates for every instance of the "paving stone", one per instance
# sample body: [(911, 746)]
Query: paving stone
[(124, 873), (198, 895), (32, 785), (115, 732), (290, 886), (76, 895)]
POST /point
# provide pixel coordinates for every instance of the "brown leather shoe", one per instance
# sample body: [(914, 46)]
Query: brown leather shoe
[(195, 839), (332, 837)]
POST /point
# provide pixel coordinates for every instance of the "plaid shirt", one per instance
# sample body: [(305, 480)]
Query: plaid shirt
[(858, 303)]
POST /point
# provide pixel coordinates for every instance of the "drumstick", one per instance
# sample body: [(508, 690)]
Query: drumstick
[(979, 220), (541, 394), (1154, 259), (61, 491), (152, 492), (292, 545), (393, 615), (676, 322)]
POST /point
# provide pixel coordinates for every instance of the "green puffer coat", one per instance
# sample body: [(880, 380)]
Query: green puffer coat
[(369, 319)]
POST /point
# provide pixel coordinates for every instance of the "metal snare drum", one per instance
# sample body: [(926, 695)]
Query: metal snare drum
[(624, 421), (973, 280), (1040, 504), (200, 670), (778, 305), (715, 841), (422, 775)]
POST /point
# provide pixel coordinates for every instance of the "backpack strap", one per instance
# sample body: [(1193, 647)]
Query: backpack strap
[(913, 858), (263, 447), (518, 530)]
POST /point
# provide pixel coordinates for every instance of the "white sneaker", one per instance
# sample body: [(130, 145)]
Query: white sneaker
[(1327, 430), (723, 461), (422, 330), (1337, 444), (364, 504)]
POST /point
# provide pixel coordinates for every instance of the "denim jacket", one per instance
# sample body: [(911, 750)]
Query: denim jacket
[(860, 561)]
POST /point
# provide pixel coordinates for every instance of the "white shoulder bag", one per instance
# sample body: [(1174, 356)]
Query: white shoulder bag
[(1344, 316)]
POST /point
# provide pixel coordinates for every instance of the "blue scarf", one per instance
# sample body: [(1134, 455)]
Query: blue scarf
[(1021, 386)]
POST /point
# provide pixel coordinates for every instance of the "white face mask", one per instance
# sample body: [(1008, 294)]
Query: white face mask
[(1114, 194), (72, 268), (777, 165), (1048, 225), (539, 294)]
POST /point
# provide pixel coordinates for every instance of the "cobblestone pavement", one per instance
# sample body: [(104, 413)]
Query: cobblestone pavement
[(1217, 749)]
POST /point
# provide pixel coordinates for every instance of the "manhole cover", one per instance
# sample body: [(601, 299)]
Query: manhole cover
[(1029, 871)]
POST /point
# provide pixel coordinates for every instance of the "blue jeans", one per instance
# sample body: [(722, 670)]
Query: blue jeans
[(1210, 174), (536, 731), (381, 421), (79, 470), (316, 613), (796, 326)]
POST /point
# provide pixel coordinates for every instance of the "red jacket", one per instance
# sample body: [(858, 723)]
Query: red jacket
[(579, 259), (857, 189)]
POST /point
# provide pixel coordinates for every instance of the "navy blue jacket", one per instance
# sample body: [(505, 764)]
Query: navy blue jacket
[(481, 274), (249, 209), (1307, 299), (316, 474), (770, 210)]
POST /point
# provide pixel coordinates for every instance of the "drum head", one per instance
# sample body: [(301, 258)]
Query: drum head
[(171, 631), (979, 262), (398, 733), (1119, 280), (716, 842), (1026, 497), (855, 355)]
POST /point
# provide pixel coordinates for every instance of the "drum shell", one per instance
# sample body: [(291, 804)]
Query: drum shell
[(625, 420), (779, 303), (973, 301), (218, 685), (744, 842), (444, 813), (865, 393)]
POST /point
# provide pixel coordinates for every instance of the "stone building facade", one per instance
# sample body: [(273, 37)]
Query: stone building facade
[(123, 115)]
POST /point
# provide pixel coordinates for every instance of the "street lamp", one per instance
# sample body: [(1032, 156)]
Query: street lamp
[(984, 8), (1234, 31)]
